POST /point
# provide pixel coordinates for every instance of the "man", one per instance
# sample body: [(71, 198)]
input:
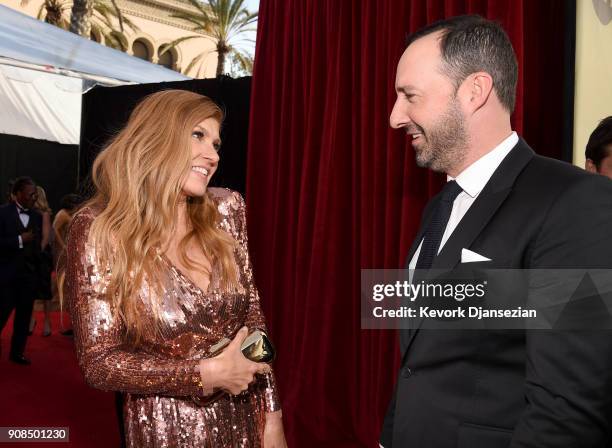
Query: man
[(455, 85), (20, 232), (598, 151)]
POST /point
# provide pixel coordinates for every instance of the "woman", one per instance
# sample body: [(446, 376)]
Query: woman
[(46, 263), (157, 273), (69, 205)]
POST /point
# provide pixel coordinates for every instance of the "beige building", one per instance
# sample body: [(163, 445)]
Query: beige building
[(156, 27)]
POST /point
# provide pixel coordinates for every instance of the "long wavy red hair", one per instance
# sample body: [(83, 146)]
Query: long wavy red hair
[(138, 179)]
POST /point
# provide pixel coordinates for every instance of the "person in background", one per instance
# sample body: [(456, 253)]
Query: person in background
[(45, 265), (69, 204), (598, 151), (20, 239)]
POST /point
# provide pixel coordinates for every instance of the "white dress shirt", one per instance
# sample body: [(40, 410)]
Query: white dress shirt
[(472, 180), (25, 220)]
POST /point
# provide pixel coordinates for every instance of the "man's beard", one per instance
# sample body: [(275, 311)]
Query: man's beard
[(445, 143)]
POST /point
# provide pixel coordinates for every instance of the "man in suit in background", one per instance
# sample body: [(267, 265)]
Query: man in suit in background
[(503, 207), (598, 151), (20, 233)]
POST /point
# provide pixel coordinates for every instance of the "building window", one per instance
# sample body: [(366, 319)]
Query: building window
[(117, 41), (167, 59), (94, 36), (141, 50)]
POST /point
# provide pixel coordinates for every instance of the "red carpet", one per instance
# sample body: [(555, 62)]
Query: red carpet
[(52, 392)]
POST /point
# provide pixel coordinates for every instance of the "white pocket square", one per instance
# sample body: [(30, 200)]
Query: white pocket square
[(467, 256)]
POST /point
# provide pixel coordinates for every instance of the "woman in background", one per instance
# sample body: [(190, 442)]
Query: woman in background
[(45, 267), (157, 273), (69, 204)]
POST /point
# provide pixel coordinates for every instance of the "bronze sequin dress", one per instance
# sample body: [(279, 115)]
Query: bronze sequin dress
[(159, 377)]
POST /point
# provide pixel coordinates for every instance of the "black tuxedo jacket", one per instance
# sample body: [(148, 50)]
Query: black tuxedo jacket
[(519, 388), (15, 261)]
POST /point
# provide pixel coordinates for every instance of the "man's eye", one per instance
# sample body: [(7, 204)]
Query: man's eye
[(197, 134)]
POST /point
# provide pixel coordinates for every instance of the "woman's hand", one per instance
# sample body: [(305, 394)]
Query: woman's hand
[(230, 370), (274, 435)]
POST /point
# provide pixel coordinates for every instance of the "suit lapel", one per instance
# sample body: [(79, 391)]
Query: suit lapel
[(477, 217), (427, 215), (479, 214), (405, 335), (17, 219)]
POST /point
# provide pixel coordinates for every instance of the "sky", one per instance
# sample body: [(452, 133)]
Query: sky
[(252, 5)]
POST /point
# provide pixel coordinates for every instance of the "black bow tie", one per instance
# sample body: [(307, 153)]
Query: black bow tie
[(23, 211)]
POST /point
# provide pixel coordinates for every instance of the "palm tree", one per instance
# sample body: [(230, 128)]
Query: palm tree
[(55, 10), (80, 18), (52, 12), (103, 21), (225, 22)]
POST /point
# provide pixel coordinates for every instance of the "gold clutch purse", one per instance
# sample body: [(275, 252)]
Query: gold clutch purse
[(256, 347)]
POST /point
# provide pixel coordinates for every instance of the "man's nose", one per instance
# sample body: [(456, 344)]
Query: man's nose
[(397, 119)]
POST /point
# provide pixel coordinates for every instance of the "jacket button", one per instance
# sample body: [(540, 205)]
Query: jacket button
[(406, 372)]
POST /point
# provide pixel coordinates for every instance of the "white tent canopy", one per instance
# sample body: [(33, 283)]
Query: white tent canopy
[(26, 39), (42, 69), (40, 105)]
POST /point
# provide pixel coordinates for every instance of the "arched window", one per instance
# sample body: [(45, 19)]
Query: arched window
[(141, 50), (94, 36), (167, 59), (117, 41)]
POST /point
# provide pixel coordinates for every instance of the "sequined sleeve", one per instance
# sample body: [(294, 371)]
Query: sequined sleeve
[(255, 318), (106, 361)]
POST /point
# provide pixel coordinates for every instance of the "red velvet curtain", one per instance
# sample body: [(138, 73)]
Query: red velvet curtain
[(331, 189)]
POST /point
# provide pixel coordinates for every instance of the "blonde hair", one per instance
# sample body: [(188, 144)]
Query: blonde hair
[(41, 202), (138, 179)]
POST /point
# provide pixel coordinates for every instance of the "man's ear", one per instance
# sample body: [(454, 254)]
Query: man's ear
[(475, 91), (590, 166)]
